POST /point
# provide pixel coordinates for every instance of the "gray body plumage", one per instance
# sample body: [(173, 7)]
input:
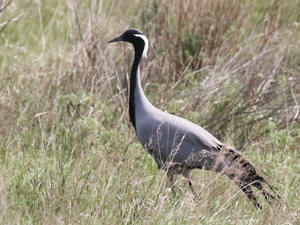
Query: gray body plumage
[(178, 145), (171, 139)]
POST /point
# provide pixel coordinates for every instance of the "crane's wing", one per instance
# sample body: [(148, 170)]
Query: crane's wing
[(171, 138)]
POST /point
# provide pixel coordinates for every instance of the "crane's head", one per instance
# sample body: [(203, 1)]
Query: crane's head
[(135, 37)]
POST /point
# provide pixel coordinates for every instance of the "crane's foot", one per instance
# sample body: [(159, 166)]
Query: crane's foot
[(189, 180)]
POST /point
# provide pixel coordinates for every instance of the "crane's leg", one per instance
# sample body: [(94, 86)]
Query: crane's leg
[(189, 180), (171, 178)]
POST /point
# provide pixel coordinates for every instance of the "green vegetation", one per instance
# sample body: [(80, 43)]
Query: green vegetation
[(68, 153)]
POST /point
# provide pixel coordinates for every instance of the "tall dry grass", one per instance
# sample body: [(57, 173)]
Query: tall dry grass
[(68, 152)]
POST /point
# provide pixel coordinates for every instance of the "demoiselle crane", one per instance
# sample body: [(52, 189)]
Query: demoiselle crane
[(178, 145)]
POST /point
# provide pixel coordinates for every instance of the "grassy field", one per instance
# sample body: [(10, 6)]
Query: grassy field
[(68, 152)]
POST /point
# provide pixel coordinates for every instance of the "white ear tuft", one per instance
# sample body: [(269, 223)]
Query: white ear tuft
[(146, 44)]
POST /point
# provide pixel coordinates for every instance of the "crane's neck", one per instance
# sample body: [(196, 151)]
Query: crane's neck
[(136, 91)]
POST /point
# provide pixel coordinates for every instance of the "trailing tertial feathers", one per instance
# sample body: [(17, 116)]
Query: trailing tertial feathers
[(242, 172)]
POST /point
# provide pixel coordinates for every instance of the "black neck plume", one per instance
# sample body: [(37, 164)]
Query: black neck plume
[(134, 79)]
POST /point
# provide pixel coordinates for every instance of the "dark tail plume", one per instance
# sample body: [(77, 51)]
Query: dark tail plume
[(242, 172)]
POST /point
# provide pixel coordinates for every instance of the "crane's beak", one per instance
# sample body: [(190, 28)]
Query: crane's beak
[(115, 39)]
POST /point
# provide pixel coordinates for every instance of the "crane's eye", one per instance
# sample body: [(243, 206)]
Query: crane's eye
[(130, 34)]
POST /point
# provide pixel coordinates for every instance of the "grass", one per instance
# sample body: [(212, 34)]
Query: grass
[(68, 153)]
